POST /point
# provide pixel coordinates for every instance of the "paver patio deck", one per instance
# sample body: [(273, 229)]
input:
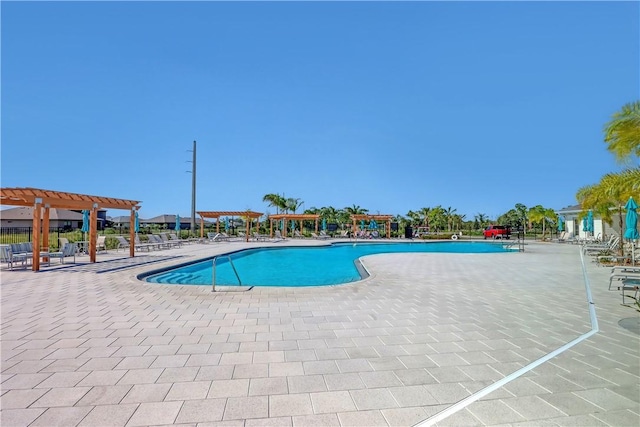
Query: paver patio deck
[(89, 344)]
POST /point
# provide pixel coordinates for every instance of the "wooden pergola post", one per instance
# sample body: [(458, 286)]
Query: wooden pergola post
[(132, 233), (45, 229), (93, 232), (35, 263)]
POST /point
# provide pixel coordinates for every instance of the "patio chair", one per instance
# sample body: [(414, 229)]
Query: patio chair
[(101, 243), (319, 237), (277, 236), (68, 250), (167, 241), (143, 246), (122, 243), (175, 238), (297, 234), (157, 240), (6, 255), (592, 249)]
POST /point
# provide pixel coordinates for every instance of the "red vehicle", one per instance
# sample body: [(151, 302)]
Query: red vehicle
[(497, 232)]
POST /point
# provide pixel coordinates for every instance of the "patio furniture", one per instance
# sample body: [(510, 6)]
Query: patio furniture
[(6, 255), (101, 243), (68, 250), (122, 243)]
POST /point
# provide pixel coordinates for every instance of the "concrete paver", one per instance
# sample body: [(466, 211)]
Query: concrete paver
[(89, 344)]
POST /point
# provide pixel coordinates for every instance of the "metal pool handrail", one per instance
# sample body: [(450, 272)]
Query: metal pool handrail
[(213, 274)]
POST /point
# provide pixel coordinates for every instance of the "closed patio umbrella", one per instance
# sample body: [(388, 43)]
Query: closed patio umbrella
[(560, 223), (177, 228), (85, 224), (631, 226), (373, 225), (324, 224), (136, 223), (590, 222)]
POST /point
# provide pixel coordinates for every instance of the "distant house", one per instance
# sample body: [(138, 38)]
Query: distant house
[(58, 218), (573, 223), (168, 222)]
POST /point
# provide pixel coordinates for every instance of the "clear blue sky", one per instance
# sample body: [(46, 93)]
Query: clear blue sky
[(389, 106)]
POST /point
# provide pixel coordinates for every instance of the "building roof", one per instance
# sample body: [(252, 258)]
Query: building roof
[(26, 213)]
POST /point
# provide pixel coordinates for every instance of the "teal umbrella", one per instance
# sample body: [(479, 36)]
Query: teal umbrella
[(362, 224), (136, 223), (177, 228), (226, 224), (293, 225), (85, 221), (631, 224), (560, 223), (373, 225), (324, 224), (590, 222), (585, 226), (631, 220)]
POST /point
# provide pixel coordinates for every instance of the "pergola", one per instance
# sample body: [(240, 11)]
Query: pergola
[(293, 217), (382, 218), (43, 200), (248, 215)]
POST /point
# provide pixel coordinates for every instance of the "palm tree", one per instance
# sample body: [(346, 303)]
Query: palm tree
[(414, 218), (611, 193), (622, 133), (481, 220), (292, 204), (448, 213), (276, 200), (542, 215), (424, 212)]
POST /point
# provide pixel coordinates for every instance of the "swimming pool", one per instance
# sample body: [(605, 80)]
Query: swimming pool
[(302, 266)]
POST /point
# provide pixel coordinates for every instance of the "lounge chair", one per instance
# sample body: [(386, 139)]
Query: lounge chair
[(161, 244), (259, 237), (101, 243), (170, 243), (122, 243), (175, 238), (277, 236), (593, 248), (68, 250), (146, 246), (6, 255), (316, 236), (323, 235)]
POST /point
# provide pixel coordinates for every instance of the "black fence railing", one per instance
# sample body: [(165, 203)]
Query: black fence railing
[(25, 234)]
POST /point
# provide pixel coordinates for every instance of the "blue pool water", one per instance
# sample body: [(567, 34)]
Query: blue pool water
[(303, 266)]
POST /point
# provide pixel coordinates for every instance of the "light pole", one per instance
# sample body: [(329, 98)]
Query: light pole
[(193, 190)]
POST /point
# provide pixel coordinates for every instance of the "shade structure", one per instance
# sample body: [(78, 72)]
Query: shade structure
[(85, 221), (136, 223), (560, 223), (177, 227)]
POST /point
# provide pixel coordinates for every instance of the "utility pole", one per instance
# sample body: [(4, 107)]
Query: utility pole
[(193, 192)]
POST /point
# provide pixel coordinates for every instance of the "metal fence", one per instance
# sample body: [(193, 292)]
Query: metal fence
[(25, 234)]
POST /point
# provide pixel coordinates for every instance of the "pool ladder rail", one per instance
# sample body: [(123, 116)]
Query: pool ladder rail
[(213, 273)]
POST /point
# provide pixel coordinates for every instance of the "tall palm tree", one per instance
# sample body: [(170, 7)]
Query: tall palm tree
[(276, 200), (622, 133), (448, 213), (610, 194), (481, 219), (424, 212), (292, 204)]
